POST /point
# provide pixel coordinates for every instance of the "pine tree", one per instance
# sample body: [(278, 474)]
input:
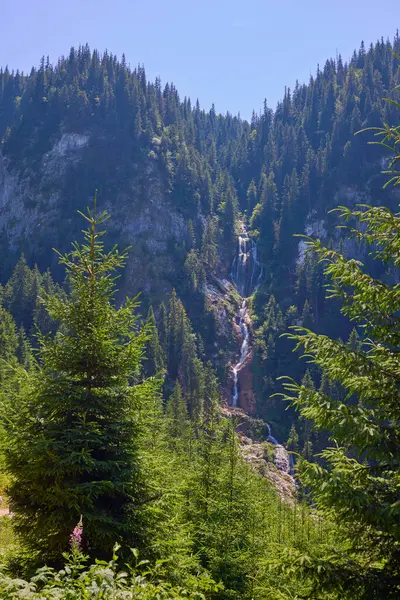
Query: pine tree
[(293, 440), (176, 332), (24, 350), (230, 215), (227, 513), (251, 197), (163, 327), (77, 453), (8, 336), (177, 415), (306, 316), (165, 453), (354, 339), (8, 370), (211, 395), (209, 248), (18, 299), (195, 272), (41, 318), (154, 355), (191, 236), (264, 215), (191, 373), (357, 482)]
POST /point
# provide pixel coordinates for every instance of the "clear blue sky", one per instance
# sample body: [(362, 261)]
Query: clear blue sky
[(230, 52)]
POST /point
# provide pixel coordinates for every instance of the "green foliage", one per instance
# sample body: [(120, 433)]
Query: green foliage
[(79, 580), (209, 248), (18, 295), (148, 149), (357, 481), (305, 160), (7, 538), (84, 434), (22, 297), (8, 337), (293, 440), (154, 354), (72, 441), (177, 415)]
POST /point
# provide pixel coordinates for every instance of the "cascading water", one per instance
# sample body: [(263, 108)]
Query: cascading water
[(246, 274), (244, 351), (246, 270)]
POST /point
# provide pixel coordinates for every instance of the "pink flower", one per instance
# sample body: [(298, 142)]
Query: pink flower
[(75, 539)]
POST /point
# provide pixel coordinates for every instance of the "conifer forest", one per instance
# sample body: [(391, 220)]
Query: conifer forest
[(199, 336)]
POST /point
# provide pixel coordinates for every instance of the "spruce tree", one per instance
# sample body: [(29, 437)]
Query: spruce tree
[(164, 445), (73, 448), (230, 215), (154, 355), (8, 336), (177, 415), (251, 197), (176, 331), (209, 248), (24, 351), (18, 299), (211, 395), (191, 373), (163, 327), (293, 439), (357, 481)]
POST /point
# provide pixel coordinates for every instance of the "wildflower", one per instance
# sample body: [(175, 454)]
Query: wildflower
[(75, 539)]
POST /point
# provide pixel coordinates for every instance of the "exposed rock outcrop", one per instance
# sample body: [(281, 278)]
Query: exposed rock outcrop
[(267, 458), (34, 201)]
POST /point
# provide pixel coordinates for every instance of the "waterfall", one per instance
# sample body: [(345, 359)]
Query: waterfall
[(241, 264), (271, 437), (244, 351), (246, 273), (246, 270)]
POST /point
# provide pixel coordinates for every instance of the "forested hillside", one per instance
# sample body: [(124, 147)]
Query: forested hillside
[(141, 387), (176, 180)]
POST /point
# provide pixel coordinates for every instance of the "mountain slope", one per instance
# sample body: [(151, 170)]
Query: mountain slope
[(175, 179)]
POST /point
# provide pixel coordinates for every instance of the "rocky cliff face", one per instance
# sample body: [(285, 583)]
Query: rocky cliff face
[(324, 227), (273, 463), (33, 204), (264, 456)]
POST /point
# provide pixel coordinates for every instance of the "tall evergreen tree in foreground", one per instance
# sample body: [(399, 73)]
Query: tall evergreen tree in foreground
[(73, 447), (358, 481)]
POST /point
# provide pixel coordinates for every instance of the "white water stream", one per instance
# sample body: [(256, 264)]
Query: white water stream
[(244, 351), (246, 270), (246, 274)]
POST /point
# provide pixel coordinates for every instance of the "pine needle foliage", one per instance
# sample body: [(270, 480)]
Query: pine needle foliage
[(73, 446), (356, 482)]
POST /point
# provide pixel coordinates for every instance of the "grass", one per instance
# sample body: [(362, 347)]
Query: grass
[(7, 539)]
